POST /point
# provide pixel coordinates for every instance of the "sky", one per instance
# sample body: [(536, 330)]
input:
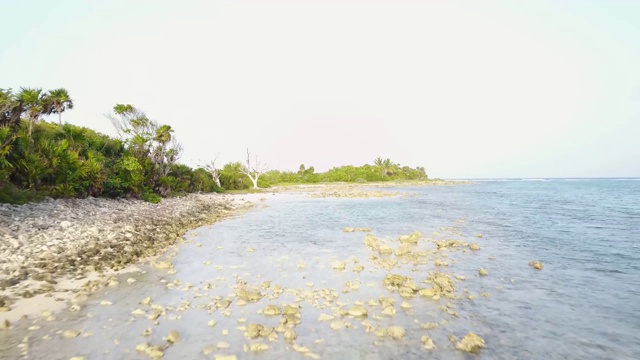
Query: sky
[(467, 89)]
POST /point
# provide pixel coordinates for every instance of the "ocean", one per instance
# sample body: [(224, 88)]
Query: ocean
[(584, 303)]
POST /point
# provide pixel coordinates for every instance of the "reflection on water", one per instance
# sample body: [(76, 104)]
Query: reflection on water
[(559, 312)]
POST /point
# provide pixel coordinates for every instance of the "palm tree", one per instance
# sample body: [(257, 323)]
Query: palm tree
[(33, 105), (163, 137), (384, 165), (163, 134), (10, 109), (379, 162), (57, 101)]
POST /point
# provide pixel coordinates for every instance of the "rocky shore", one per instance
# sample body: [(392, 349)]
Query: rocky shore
[(42, 243), (358, 190), (51, 248)]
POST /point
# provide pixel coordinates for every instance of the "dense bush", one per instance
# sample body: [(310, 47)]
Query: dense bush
[(347, 173), (39, 159)]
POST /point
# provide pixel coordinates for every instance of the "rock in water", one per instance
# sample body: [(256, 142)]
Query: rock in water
[(470, 343), (427, 343), (410, 238), (71, 334), (257, 347), (396, 332), (394, 280), (536, 265), (357, 311), (253, 331), (173, 337), (272, 310)]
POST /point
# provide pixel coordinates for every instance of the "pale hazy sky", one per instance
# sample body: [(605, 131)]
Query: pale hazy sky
[(464, 88)]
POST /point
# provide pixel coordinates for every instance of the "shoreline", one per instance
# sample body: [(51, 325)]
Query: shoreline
[(58, 251), (358, 190)]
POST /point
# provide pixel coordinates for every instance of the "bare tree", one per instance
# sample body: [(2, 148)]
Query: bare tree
[(172, 155), (253, 171), (211, 168)]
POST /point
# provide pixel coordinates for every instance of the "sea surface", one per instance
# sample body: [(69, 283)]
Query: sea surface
[(584, 304)]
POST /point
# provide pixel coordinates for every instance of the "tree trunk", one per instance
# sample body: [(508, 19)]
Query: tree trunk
[(254, 181), (60, 118)]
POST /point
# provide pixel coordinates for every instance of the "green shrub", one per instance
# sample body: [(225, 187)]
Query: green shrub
[(11, 194), (150, 196)]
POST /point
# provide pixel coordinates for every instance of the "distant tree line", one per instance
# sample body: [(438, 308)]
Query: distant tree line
[(40, 159), (381, 170)]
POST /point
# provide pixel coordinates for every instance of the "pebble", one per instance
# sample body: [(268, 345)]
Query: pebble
[(64, 236)]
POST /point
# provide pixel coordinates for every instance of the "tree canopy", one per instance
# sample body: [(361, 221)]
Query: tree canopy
[(39, 158)]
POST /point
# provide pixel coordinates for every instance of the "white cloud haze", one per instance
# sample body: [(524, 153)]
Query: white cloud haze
[(464, 88)]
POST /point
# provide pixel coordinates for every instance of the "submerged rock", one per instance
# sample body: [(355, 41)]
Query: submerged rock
[(440, 262), (442, 286), (410, 238), (403, 249), (394, 280), (325, 317), (173, 337), (427, 343), (470, 343), (358, 310), (371, 242), (272, 310), (155, 352), (257, 347), (339, 265), (253, 331), (396, 332), (290, 334), (389, 310), (225, 357), (163, 265), (70, 334), (483, 272), (429, 325), (248, 295), (536, 265), (385, 250)]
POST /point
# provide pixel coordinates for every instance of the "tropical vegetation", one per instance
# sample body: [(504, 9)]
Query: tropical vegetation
[(41, 159)]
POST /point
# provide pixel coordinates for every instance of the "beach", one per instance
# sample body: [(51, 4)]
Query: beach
[(51, 249), (421, 271), (57, 246)]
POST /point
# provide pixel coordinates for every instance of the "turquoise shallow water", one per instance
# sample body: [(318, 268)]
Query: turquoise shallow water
[(583, 304), (586, 301)]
